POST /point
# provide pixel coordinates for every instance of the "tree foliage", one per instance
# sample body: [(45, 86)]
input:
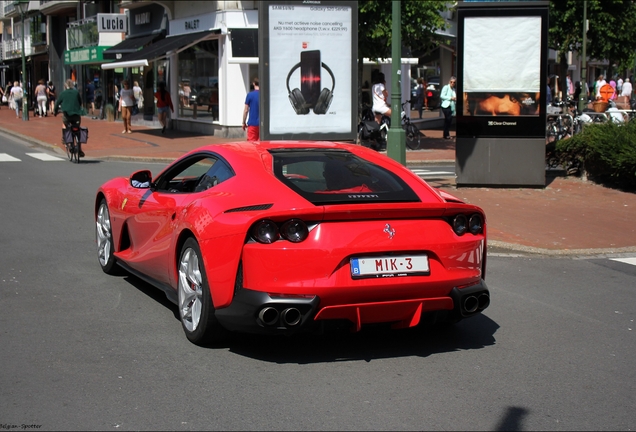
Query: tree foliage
[(611, 35), (420, 20)]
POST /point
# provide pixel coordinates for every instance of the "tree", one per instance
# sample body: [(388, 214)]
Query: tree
[(611, 35), (420, 21)]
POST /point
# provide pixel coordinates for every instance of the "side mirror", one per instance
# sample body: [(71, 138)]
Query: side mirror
[(141, 179)]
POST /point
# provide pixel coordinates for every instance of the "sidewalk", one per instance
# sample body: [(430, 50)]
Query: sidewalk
[(569, 217)]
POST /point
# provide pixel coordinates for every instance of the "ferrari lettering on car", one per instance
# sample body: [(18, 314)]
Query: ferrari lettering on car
[(291, 236)]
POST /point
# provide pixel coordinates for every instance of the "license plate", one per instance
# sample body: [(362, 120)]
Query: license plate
[(389, 266)]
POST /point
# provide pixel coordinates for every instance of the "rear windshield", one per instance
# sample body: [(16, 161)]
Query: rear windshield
[(338, 177)]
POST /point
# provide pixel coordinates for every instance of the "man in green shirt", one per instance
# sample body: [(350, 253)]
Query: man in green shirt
[(71, 103)]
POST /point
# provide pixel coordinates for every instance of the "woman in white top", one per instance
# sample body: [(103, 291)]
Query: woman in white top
[(126, 103), (42, 95), (17, 94), (380, 95)]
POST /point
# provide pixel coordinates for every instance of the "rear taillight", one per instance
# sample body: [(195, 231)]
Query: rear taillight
[(267, 231), (462, 224), (294, 230)]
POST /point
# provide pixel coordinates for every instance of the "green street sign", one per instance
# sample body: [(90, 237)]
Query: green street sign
[(93, 54)]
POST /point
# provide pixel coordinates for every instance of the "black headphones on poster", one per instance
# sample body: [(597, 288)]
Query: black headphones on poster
[(298, 100)]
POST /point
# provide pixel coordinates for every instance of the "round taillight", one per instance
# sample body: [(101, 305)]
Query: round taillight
[(460, 224), (265, 231), (294, 230), (475, 224)]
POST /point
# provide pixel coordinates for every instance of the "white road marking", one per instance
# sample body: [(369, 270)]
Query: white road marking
[(44, 157), (631, 261), (426, 173), (6, 158)]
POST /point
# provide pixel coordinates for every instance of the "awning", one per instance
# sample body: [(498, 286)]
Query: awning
[(129, 45), (162, 48), (126, 64)]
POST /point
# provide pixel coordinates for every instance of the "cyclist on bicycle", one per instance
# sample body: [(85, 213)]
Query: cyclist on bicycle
[(70, 102), (380, 96)]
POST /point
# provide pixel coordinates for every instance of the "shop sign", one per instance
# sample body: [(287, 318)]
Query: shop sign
[(145, 20), (193, 24), (85, 55), (112, 23)]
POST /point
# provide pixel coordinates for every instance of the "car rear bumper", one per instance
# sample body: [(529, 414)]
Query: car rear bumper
[(258, 312)]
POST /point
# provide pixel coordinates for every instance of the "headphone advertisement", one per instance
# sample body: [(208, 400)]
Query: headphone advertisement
[(310, 82)]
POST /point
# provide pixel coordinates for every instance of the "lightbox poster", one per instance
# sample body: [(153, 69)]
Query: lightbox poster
[(310, 78), (502, 66)]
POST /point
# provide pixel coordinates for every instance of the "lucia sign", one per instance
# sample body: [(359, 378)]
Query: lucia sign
[(112, 23)]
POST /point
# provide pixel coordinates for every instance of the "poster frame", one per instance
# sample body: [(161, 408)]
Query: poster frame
[(265, 75), (491, 126)]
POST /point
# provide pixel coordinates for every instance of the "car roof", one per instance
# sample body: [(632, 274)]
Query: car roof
[(254, 157)]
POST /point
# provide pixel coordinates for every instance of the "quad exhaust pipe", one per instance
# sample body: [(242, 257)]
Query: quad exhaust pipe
[(289, 317), (268, 316), (477, 302)]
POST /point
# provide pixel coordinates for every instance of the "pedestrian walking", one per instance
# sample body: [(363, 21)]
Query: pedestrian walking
[(419, 96), (126, 103), (16, 96), (90, 97), (164, 103), (251, 119), (51, 89), (42, 97), (139, 98), (448, 98)]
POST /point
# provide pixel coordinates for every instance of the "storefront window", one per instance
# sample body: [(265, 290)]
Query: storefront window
[(197, 78)]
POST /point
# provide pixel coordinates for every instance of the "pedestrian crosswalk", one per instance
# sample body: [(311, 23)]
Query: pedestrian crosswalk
[(630, 261), (432, 173), (5, 157)]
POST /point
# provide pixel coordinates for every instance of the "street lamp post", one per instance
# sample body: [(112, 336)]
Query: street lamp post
[(23, 7), (396, 146), (584, 96)]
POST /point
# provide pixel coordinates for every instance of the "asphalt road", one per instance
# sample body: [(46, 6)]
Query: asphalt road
[(80, 350)]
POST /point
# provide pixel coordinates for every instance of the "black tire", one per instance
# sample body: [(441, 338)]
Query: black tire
[(104, 239), (194, 300), (413, 137), (69, 151), (551, 133), (77, 147)]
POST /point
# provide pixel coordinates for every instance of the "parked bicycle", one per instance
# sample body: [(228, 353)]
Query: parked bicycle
[(413, 135), (74, 136)]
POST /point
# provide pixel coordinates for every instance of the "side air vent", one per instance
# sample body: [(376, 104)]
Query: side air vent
[(250, 208)]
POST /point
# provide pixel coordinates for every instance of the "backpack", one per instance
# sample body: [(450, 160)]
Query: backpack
[(369, 129)]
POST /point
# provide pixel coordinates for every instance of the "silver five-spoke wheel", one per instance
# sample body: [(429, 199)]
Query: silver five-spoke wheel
[(196, 309), (190, 290), (104, 236)]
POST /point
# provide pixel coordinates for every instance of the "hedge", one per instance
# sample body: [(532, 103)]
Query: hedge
[(606, 151)]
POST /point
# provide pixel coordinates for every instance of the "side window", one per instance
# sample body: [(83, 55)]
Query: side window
[(217, 173), (185, 177)]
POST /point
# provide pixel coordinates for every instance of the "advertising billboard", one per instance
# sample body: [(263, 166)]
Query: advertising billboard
[(308, 79), (502, 72)]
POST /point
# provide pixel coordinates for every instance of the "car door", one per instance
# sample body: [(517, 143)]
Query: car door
[(154, 218)]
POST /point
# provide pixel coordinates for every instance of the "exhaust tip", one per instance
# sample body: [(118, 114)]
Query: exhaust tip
[(483, 301), (471, 304), (291, 317), (268, 316)]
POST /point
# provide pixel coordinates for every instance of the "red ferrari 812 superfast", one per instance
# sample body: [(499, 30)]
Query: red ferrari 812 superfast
[(291, 236)]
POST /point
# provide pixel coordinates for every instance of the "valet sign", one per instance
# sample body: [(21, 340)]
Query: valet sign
[(112, 23)]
